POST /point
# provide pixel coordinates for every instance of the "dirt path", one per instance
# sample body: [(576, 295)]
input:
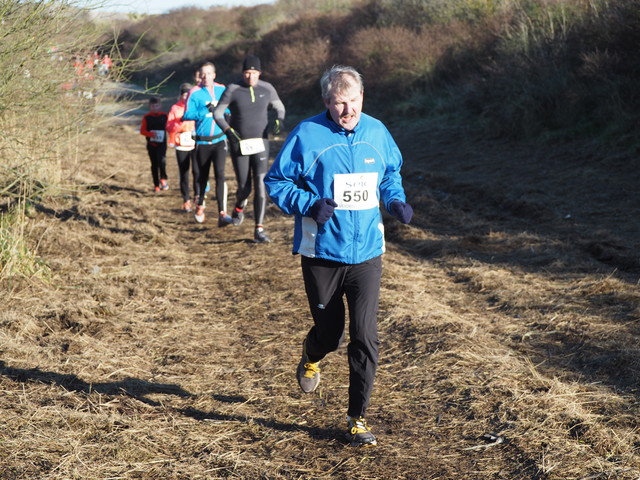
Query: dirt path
[(164, 349)]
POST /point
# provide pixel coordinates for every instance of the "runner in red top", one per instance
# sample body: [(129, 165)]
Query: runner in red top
[(153, 127)]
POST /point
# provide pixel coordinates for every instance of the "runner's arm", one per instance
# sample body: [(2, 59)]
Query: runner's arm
[(143, 128), (193, 110), (222, 108), (276, 103), (172, 124), (284, 179), (278, 106), (391, 188)]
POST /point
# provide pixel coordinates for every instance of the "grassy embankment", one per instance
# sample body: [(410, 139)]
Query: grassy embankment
[(526, 68)]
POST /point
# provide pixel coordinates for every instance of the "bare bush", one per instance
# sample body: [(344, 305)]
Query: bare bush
[(397, 56), (298, 66), (45, 104)]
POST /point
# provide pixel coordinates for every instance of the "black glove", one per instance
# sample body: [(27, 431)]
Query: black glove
[(322, 210), (232, 135), (211, 107), (277, 127), (401, 210)]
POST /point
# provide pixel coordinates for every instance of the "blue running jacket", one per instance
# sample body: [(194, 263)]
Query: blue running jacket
[(358, 169), (207, 131)]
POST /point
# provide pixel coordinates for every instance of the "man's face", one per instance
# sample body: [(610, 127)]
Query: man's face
[(207, 75), (345, 107), (155, 107), (251, 77)]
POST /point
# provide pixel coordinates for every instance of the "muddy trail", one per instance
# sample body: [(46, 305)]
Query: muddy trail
[(166, 349)]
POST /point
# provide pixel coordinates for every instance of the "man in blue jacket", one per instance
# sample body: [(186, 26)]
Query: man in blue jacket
[(332, 172)]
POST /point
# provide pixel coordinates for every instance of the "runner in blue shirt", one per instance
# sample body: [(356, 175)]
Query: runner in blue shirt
[(211, 147), (332, 173)]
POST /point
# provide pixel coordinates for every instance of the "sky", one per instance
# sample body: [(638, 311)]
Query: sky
[(155, 7)]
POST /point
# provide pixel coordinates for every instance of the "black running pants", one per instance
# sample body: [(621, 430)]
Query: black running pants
[(257, 165), (157, 155), (185, 159), (326, 283), (207, 154)]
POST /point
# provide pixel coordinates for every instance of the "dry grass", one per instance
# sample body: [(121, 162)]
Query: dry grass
[(163, 349)]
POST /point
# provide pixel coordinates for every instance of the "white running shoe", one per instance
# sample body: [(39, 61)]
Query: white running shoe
[(199, 214)]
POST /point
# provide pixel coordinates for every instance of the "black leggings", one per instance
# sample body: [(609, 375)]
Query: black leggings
[(206, 154), (258, 165), (185, 159), (157, 155), (326, 283)]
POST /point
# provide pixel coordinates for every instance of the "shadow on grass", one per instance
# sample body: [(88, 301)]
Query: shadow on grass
[(314, 432), (139, 389), (131, 387), (72, 213)]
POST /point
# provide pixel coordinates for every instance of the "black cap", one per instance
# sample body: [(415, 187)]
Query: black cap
[(185, 88), (251, 62)]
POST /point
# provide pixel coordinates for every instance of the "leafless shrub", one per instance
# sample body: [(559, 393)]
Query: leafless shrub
[(45, 107), (298, 66)]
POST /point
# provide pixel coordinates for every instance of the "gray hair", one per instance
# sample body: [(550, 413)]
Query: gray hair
[(338, 79)]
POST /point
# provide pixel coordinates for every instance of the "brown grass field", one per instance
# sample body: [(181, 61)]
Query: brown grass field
[(164, 349)]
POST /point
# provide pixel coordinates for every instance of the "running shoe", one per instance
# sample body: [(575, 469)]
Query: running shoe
[(163, 184), (308, 373), (359, 434), (238, 216), (187, 206), (224, 220), (156, 189), (260, 236), (199, 214)]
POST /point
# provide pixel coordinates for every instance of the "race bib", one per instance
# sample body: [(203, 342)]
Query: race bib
[(186, 139), (251, 146), (356, 191), (158, 136)]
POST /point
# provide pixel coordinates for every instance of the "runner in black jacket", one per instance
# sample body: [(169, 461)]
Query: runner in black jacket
[(248, 100)]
